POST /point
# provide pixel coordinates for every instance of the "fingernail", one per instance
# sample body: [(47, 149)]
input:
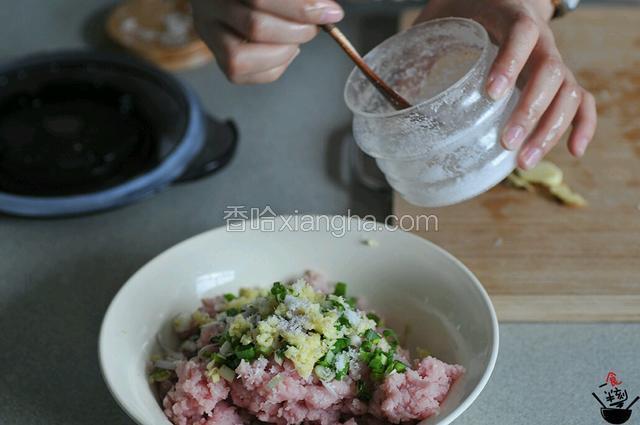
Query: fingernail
[(497, 86), (513, 137), (324, 13), (295, 55), (581, 146), (531, 157)]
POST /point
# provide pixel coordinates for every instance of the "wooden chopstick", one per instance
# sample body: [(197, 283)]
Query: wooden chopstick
[(390, 94)]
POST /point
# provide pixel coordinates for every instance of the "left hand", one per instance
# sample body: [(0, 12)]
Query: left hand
[(255, 41), (551, 99)]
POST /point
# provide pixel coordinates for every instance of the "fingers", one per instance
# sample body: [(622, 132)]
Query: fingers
[(263, 77), (255, 40), (545, 81), (512, 57), (246, 63), (261, 27), (552, 125), (572, 104), (584, 125), (315, 12)]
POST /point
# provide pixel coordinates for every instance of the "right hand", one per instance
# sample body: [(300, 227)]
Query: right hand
[(254, 41), (552, 99)]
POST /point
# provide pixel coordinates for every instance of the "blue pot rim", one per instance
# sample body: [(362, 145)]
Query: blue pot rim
[(132, 190)]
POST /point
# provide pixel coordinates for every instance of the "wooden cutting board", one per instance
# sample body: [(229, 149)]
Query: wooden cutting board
[(541, 261)]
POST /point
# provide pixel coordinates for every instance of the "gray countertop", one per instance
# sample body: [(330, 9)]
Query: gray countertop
[(57, 277)]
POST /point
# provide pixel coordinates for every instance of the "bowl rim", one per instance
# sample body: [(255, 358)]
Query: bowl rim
[(473, 68), (455, 413)]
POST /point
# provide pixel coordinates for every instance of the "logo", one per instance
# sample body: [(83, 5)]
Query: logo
[(615, 396)]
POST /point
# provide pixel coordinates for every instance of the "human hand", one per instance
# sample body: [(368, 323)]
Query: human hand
[(551, 99), (254, 41)]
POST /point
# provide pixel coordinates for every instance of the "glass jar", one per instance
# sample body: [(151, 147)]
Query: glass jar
[(446, 148)]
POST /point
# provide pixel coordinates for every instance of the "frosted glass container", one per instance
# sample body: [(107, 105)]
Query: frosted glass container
[(446, 148)]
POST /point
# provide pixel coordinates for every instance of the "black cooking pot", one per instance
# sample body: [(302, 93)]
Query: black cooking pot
[(86, 131)]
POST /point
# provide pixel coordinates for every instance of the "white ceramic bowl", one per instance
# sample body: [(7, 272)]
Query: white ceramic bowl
[(407, 280)]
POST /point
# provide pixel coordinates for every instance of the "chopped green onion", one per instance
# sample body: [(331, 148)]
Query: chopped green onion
[(221, 339), (342, 372), (343, 321), (265, 351), (371, 335), (218, 359), (392, 350), (366, 346), (159, 375), (388, 333), (246, 352), (378, 362), (391, 337), (399, 366), (279, 355), (352, 301), (232, 312), (389, 368), (225, 348), (365, 356), (342, 365), (274, 381), (374, 317), (279, 291), (330, 357), (227, 373), (233, 361), (337, 304), (229, 297), (340, 290), (279, 359), (324, 373), (363, 391), (340, 345)]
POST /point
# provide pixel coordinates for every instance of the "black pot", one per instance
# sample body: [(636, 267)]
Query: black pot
[(85, 131)]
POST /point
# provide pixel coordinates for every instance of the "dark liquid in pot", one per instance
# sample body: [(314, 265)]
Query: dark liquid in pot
[(71, 137)]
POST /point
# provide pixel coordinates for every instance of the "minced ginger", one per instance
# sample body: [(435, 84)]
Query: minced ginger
[(550, 176)]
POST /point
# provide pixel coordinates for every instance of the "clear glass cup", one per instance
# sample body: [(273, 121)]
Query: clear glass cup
[(446, 148)]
